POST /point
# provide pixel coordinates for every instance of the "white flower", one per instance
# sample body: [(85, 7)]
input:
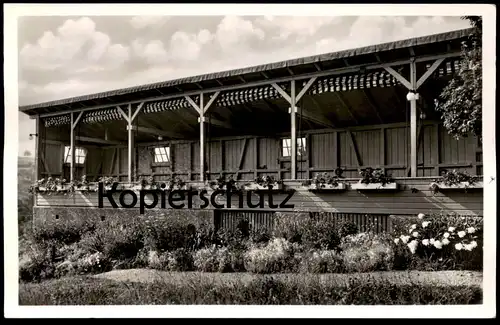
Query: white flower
[(451, 229), (446, 235), (461, 234), (413, 246), (468, 247), (412, 227), (421, 215), (459, 246), (396, 241), (471, 230), (445, 241), (405, 238), (425, 224), (431, 241), (473, 243), (438, 244), (425, 242), (415, 234)]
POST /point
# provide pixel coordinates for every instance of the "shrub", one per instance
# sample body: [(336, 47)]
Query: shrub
[(115, 239), (327, 261), (320, 234), (441, 242), (62, 231), (366, 252), (277, 256), (290, 227), (173, 232), (36, 265), (179, 260), (218, 259)]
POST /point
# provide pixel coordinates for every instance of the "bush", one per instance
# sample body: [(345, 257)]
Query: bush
[(290, 227), (62, 231), (277, 256), (219, 259), (440, 242), (115, 239), (367, 252), (322, 262), (36, 265), (179, 260)]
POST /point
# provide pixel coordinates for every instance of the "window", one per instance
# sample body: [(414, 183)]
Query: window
[(162, 155), (287, 147), (80, 154)]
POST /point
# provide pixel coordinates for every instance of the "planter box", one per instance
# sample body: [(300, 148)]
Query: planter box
[(327, 187), (257, 187), (374, 186), (460, 186)]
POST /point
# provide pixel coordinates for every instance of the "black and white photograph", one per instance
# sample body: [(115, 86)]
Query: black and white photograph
[(237, 156)]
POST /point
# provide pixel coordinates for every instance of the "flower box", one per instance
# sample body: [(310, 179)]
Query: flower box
[(42, 189), (374, 186), (83, 188), (461, 185), (257, 187), (327, 187)]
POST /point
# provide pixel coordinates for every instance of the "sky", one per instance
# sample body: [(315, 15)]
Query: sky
[(66, 56)]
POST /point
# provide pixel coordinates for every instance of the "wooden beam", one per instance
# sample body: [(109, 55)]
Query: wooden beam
[(211, 101), (413, 121), (72, 147), (346, 106), (193, 104), (399, 77), (318, 107), (306, 88), (429, 72), (202, 135), (75, 121), (215, 122), (242, 157), (372, 104), (282, 92), (113, 159), (313, 118), (130, 164), (124, 115), (97, 140), (156, 132), (317, 66), (355, 148), (136, 112), (293, 130), (256, 156), (330, 72)]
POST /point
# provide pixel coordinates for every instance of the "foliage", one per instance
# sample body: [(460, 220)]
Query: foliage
[(323, 261), (260, 290), (323, 179), (267, 181), (218, 259), (456, 177), (366, 252), (460, 102), (277, 256), (222, 183), (436, 241), (107, 180), (370, 176)]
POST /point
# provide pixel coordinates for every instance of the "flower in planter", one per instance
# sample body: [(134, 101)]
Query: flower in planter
[(445, 241), (405, 239), (415, 234), (459, 246), (425, 224), (471, 230), (425, 242), (446, 235), (451, 229), (413, 246), (461, 234), (421, 216)]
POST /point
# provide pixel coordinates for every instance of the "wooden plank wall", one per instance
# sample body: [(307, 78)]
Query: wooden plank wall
[(247, 157)]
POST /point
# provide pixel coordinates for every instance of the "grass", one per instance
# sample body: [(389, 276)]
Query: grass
[(243, 289)]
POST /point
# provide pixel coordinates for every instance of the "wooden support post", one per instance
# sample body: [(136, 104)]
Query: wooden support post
[(256, 156), (130, 144), (413, 121), (38, 141), (72, 150), (293, 114), (202, 140)]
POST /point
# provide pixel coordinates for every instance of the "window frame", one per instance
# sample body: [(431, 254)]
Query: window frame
[(67, 155), (168, 155), (300, 140)]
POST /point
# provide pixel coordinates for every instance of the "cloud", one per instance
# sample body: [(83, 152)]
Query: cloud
[(153, 52), (298, 27), (140, 22), (235, 33), (76, 46)]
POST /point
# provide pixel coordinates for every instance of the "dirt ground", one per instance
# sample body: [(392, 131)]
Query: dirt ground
[(398, 277)]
